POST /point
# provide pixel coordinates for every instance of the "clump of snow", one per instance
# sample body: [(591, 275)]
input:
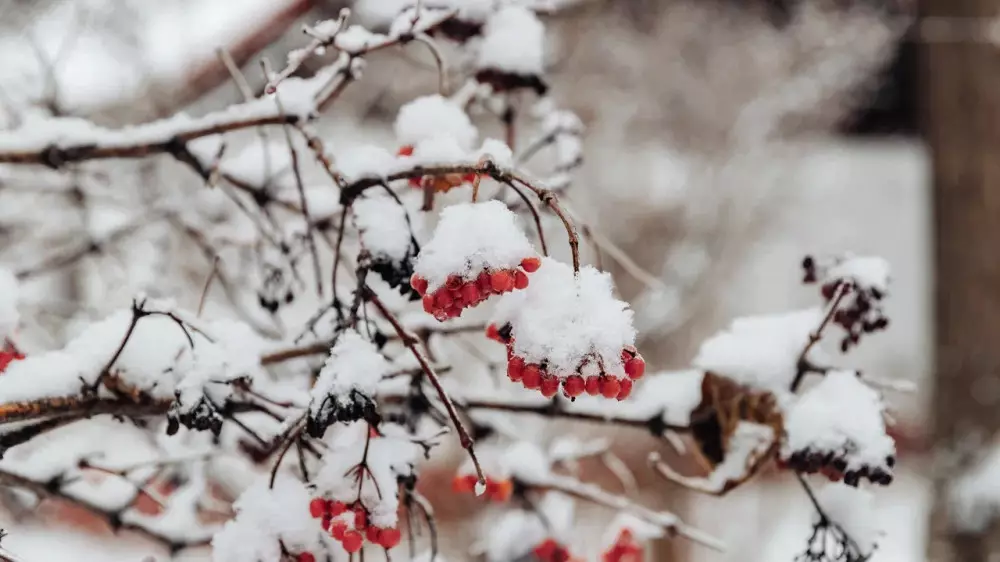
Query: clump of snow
[(761, 351), (749, 441), (431, 117), (9, 294), (841, 415), (266, 518), (865, 272), (523, 460), (389, 457), (440, 151), (513, 42), (383, 227), (356, 39), (470, 238), (565, 320), (496, 151), (366, 161), (354, 365), (974, 497), (673, 395)]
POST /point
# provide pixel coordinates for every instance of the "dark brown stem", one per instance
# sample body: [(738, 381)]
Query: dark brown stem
[(803, 365)]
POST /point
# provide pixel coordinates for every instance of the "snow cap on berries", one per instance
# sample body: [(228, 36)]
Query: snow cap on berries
[(563, 320), (347, 382), (431, 117), (844, 416), (470, 238), (513, 42), (383, 227)]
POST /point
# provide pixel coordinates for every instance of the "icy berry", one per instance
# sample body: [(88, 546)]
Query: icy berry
[(442, 299), (337, 508), (484, 283), (419, 284), (549, 386), (635, 367), (520, 279), (610, 387), (352, 541), (531, 265), (531, 377), (593, 385), (360, 518), (428, 302), (317, 507), (501, 281), (371, 534), (306, 557), (626, 388), (574, 386), (453, 282), (389, 538), (470, 294), (338, 529), (515, 369)]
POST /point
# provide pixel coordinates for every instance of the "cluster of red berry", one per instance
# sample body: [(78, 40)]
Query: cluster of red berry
[(535, 376), (497, 490), (8, 357), (457, 293), (440, 183), (625, 549), (349, 525), (550, 550)]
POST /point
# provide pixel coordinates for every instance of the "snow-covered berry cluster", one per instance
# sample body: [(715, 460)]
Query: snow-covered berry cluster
[(349, 525), (385, 233), (551, 550), (497, 489), (477, 250), (346, 384), (568, 331), (624, 549), (864, 281), (440, 183)]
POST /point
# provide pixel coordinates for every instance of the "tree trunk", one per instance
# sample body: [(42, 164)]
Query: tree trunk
[(960, 106)]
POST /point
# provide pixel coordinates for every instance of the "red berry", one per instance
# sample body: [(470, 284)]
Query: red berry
[(336, 508), (485, 283), (610, 387), (470, 294), (317, 507), (531, 265), (531, 377), (419, 284), (442, 299), (500, 280), (338, 529), (635, 367), (306, 557), (405, 150), (460, 484), (493, 333), (520, 279), (547, 549), (625, 388), (453, 282), (515, 368), (550, 385), (574, 386), (360, 518), (352, 541), (429, 306), (389, 538), (593, 385), (371, 533)]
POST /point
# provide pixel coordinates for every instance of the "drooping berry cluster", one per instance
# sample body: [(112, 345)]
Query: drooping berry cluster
[(354, 407), (536, 376), (862, 282), (835, 467), (459, 293), (497, 489), (349, 525), (8, 357), (550, 550), (624, 549), (440, 183)]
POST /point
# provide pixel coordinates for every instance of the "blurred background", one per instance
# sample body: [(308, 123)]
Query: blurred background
[(726, 140)]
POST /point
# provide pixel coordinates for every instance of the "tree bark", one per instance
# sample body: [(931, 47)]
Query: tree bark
[(960, 110)]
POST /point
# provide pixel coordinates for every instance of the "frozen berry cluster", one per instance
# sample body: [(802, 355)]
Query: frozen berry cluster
[(550, 550), (200, 416), (624, 549), (8, 357), (354, 407), (440, 183), (860, 310), (459, 293), (396, 274), (536, 376), (497, 489), (349, 525), (835, 467)]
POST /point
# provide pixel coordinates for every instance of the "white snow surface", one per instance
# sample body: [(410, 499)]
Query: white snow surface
[(761, 351), (9, 294), (354, 364), (367, 161), (840, 413), (470, 238), (514, 42), (264, 517), (389, 457), (867, 272), (433, 116), (356, 39), (383, 226), (565, 320), (749, 441)]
